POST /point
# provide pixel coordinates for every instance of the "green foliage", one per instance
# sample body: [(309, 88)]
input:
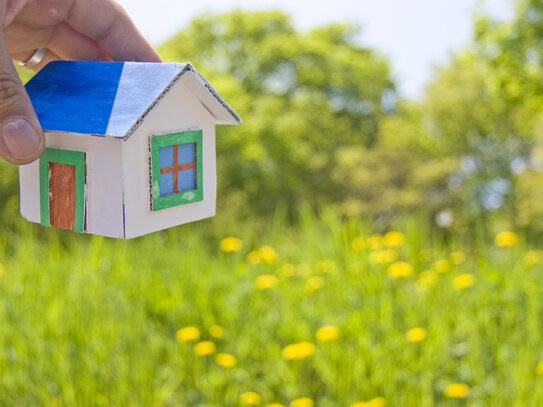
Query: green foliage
[(305, 97), (92, 321)]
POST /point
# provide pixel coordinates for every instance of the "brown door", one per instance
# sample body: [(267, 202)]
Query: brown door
[(62, 196)]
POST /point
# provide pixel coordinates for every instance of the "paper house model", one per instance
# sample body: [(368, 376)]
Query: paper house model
[(130, 147)]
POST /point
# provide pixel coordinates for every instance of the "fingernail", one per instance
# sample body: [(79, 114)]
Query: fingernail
[(20, 138)]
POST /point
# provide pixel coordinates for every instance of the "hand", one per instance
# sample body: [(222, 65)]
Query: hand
[(70, 30)]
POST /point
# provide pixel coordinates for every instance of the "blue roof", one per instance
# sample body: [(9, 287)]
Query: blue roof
[(103, 98)]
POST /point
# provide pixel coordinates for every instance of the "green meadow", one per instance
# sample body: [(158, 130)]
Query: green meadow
[(324, 312)]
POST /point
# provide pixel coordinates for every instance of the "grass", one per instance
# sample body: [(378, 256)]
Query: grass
[(90, 321)]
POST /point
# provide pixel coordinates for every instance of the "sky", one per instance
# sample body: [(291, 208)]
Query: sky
[(415, 35)]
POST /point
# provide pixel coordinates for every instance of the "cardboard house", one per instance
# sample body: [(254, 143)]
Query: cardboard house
[(130, 147)]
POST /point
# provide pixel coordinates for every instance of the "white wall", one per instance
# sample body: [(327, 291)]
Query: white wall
[(179, 110), (103, 194)]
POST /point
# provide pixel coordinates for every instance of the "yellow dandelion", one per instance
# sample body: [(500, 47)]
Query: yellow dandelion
[(400, 269), (231, 244), (287, 270), (426, 255), (302, 402), (375, 402), (374, 241), (394, 239), (457, 390), (298, 350), (314, 283), (325, 266), (303, 269), (253, 257), (189, 333), (216, 331), (533, 257), (530, 288), (204, 348), (427, 278), (265, 281), (327, 333), (225, 360), (441, 266), (539, 368), (251, 398), (353, 269), (462, 281), (275, 405), (267, 254), (457, 258), (417, 334), (506, 239), (359, 243), (383, 256)]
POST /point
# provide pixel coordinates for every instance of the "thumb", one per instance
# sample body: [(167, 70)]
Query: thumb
[(21, 137)]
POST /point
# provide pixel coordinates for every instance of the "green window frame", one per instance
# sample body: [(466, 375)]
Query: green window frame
[(70, 157), (183, 197)]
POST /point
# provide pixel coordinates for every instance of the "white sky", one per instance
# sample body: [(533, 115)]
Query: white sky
[(414, 34)]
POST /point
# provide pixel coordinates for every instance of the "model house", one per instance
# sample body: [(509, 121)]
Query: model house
[(130, 147)]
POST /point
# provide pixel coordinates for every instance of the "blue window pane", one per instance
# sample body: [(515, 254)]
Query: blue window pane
[(166, 156), (166, 183), (185, 153), (186, 180)]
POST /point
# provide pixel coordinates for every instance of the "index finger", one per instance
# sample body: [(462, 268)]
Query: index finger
[(106, 22)]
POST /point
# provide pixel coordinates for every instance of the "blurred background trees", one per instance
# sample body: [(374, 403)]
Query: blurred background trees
[(325, 126)]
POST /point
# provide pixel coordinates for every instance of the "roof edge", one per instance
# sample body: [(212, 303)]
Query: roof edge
[(187, 68)]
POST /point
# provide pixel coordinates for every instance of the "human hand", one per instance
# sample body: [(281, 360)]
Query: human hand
[(69, 30)]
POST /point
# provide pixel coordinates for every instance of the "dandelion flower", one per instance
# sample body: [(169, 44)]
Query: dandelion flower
[(375, 402), (539, 368), (457, 258), (457, 390), (251, 398), (302, 402), (298, 350), (265, 281), (327, 333), (374, 241), (314, 283), (533, 257), (302, 269), (427, 278), (189, 333), (204, 348), (462, 281), (441, 266), (400, 269), (394, 239), (359, 243), (267, 254), (415, 335), (231, 244), (506, 239), (275, 405), (225, 359), (426, 255), (383, 256), (325, 266), (253, 257), (216, 331), (287, 270)]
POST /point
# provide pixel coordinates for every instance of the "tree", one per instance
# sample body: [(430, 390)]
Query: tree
[(305, 97)]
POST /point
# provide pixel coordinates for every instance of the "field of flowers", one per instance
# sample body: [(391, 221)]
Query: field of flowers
[(325, 313)]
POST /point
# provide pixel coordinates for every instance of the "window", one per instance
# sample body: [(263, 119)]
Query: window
[(176, 161)]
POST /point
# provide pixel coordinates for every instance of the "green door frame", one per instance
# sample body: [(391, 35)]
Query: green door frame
[(76, 158)]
